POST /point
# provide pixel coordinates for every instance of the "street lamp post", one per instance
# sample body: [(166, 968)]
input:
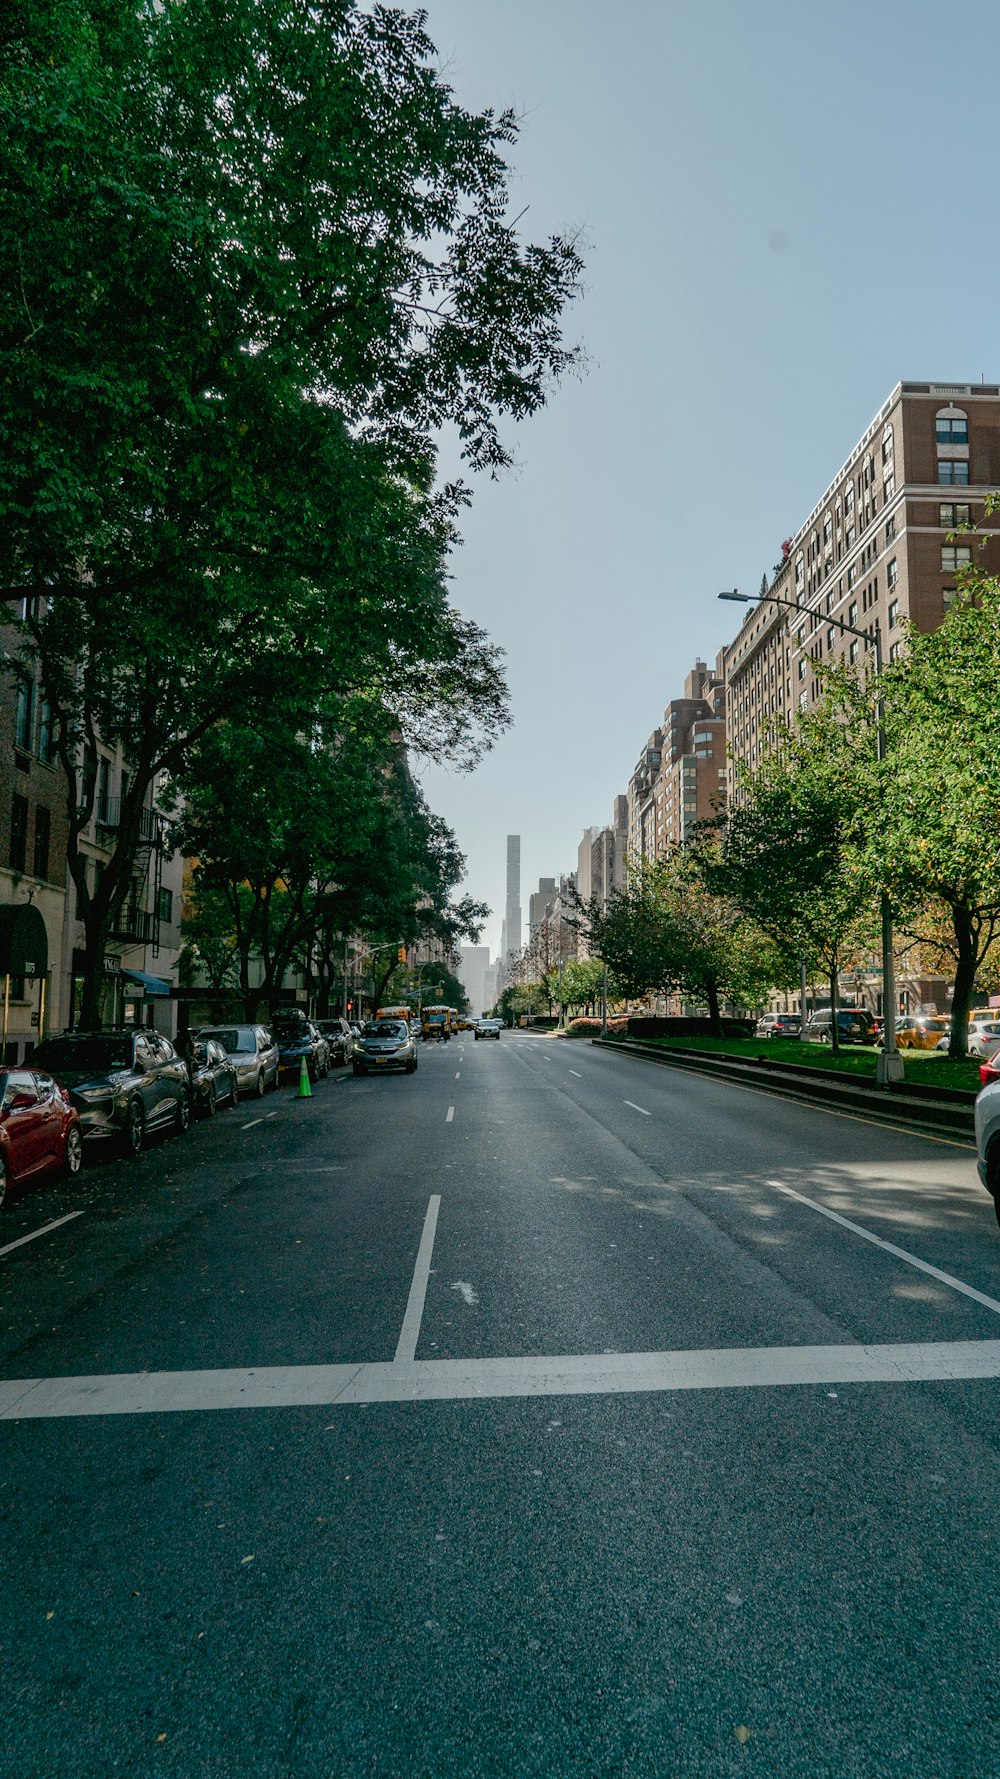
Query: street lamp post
[(890, 1063)]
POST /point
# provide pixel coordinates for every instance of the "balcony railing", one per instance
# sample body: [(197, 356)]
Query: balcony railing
[(108, 815), (135, 924)]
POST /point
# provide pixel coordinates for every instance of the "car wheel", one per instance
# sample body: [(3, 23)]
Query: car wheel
[(259, 1084), (182, 1113), (74, 1150), (134, 1134), (212, 1105), (993, 1174)]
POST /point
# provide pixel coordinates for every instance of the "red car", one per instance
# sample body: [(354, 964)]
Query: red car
[(39, 1129), (989, 1072)]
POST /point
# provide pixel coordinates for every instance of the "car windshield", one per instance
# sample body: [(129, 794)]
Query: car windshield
[(385, 1028), (232, 1039), (289, 1028), (102, 1055)]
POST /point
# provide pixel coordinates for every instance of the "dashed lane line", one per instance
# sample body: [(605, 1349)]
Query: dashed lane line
[(406, 1346), (636, 1108), (577, 1073), (251, 1124), (449, 1115)]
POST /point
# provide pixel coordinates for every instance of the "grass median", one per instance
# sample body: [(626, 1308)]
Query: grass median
[(926, 1067)]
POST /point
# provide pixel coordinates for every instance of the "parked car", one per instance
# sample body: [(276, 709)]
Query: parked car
[(921, 1031), (855, 1025), (385, 1044), (987, 1117), (989, 1071), (488, 1028), (296, 1038), (39, 1128), (212, 1075), (252, 1052), (778, 1025), (984, 1036), (123, 1082), (339, 1038)]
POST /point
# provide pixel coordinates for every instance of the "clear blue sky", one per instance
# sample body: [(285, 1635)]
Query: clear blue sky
[(789, 206)]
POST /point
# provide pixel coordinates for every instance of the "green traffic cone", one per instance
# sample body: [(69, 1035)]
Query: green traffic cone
[(305, 1085)]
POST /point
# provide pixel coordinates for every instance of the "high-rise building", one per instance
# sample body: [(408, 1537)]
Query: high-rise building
[(879, 546), (512, 911), (539, 903), (680, 777), (473, 966)]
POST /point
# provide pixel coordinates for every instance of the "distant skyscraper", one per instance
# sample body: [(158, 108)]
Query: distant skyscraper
[(474, 963), (512, 912)]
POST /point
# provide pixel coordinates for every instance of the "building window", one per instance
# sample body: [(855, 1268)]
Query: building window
[(894, 651), (852, 612), (951, 427), (853, 651), (887, 448), (892, 574), (954, 556), (802, 670), (43, 828), (852, 575), (953, 516), (46, 739), (831, 637), (953, 472), (24, 720), (890, 528), (18, 833), (893, 615)]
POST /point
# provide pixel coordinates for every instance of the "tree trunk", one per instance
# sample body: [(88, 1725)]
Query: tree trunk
[(966, 965), (714, 1011), (834, 1004)]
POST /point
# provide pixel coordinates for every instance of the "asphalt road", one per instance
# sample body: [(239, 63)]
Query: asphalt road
[(545, 1413)]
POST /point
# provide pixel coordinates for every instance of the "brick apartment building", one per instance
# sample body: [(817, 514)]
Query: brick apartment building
[(875, 549), (680, 778)]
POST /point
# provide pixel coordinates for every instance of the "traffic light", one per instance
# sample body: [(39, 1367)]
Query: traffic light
[(350, 1006), (401, 955)]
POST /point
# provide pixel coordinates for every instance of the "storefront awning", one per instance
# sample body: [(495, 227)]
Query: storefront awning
[(24, 944), (153, 985)]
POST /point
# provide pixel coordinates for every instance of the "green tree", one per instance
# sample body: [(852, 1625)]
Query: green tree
[(252, 261), (790, 856), (669, 932), (933, 806)]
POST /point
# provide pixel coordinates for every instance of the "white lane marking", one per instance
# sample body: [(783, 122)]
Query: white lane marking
[(33, 1237), (577, 1073), (270, 1114), (444, 1380), (406, 1346), (878, 1241), (466, 1292), (449, 1115), (458, 1074), (250, 1126), (903, 1130), (636, 1108)]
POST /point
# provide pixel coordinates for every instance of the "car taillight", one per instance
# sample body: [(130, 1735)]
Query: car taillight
[(988, 1071)]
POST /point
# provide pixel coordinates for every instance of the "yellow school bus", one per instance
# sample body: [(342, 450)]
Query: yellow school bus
[(393, 1013)]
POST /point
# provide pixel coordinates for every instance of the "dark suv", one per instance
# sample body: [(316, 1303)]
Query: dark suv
[(855, 1025), (122, 1082)]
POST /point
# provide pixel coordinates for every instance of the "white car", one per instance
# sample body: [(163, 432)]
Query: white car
[(988, 1141)]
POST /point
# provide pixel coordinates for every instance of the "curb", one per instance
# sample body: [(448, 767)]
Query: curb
[(941, 1112)]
